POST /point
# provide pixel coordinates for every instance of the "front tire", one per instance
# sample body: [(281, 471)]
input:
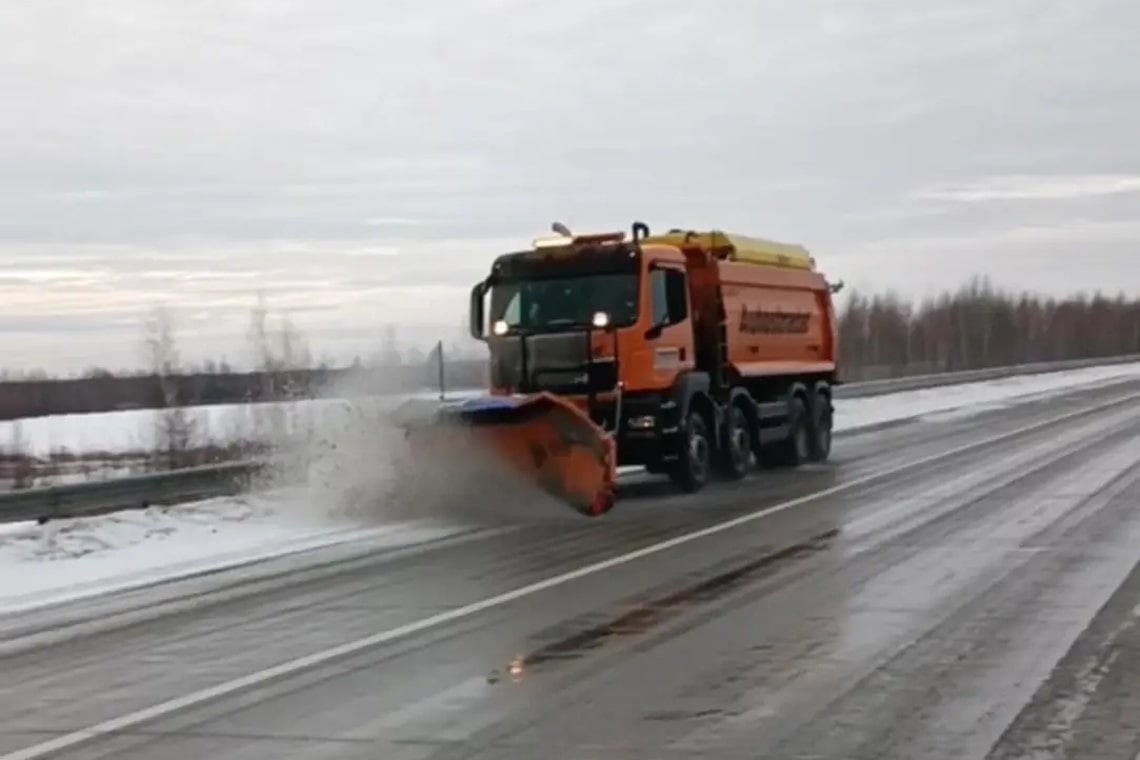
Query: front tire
[(691, 471)]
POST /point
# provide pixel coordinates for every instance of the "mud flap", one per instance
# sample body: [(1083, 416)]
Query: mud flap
[(542, 437)]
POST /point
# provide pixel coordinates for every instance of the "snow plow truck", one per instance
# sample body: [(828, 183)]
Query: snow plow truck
[(696, 355)]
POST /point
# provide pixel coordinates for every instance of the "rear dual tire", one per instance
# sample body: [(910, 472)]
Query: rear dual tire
[(809, 440), (821, 429), (809, 432), (794, 450)]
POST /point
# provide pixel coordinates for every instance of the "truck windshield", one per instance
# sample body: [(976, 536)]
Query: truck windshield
[(564, 303)]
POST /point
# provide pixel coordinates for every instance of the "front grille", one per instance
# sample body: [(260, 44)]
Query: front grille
[(599, 377), (558, 363)]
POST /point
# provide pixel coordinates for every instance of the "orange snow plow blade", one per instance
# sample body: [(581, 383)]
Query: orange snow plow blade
[(542, 437)]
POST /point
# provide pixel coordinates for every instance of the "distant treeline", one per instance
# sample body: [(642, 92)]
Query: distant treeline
[(880, 336), (979, 326), (37, 398)]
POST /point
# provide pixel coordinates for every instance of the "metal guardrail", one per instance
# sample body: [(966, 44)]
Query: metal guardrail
[(921, 382), (210, 481), (131, 492)]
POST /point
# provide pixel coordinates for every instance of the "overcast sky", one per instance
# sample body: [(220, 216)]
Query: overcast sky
[(362, 161)]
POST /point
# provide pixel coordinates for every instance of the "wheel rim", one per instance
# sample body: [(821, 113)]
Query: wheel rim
[(698, 454), (825, 432), (738, 441), (801, 440)]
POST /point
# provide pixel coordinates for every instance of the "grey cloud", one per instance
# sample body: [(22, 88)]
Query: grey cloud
[(197, 136), (1037, 188)]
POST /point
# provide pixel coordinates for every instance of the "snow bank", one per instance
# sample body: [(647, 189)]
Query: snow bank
[(969, 399), (136, 430), (71, 559)]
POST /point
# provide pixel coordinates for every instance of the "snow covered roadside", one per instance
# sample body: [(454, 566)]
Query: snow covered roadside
[(72, 559), (135, 430), (958, 401), (76, 558)]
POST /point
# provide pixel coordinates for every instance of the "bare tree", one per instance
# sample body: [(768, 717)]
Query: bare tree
[(258, 334), (293, 352), (174, 428), (390, 354), (276, 350), (279, 353), (18, 459)]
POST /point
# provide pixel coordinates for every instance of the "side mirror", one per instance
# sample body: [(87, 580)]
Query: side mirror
[(475, 317), (654, 332)]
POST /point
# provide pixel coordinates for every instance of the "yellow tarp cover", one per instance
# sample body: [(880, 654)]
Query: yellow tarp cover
[(750, 250)]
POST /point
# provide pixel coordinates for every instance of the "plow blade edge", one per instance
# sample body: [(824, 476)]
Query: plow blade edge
[(544, 438)]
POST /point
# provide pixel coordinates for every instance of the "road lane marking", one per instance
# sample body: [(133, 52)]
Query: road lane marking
[(300, 664)]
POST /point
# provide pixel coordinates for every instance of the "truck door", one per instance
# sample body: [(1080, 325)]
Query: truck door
[(669, 339)]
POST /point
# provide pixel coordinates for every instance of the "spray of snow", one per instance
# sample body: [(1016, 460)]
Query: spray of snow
[(350, 457), (357, 461), (340, 453)]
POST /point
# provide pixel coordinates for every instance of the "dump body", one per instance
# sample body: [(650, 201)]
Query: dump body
[(775, 309), (778, 322)]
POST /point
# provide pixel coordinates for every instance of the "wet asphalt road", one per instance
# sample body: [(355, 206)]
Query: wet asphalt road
[(958, 587)]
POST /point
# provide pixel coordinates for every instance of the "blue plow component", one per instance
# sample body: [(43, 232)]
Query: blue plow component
[(485, 403)]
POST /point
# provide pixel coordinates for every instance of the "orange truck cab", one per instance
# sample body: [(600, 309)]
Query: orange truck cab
[(700, 353)]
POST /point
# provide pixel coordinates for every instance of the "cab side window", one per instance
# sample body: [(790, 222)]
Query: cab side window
[(676, 295), (659, 300), (668, 305)]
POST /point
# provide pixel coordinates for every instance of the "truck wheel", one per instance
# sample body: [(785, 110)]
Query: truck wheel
[(691, 471), (736, 446), (796, 448), (822, 421)]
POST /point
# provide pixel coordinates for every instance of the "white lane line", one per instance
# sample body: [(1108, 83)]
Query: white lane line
[(291, 667)]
